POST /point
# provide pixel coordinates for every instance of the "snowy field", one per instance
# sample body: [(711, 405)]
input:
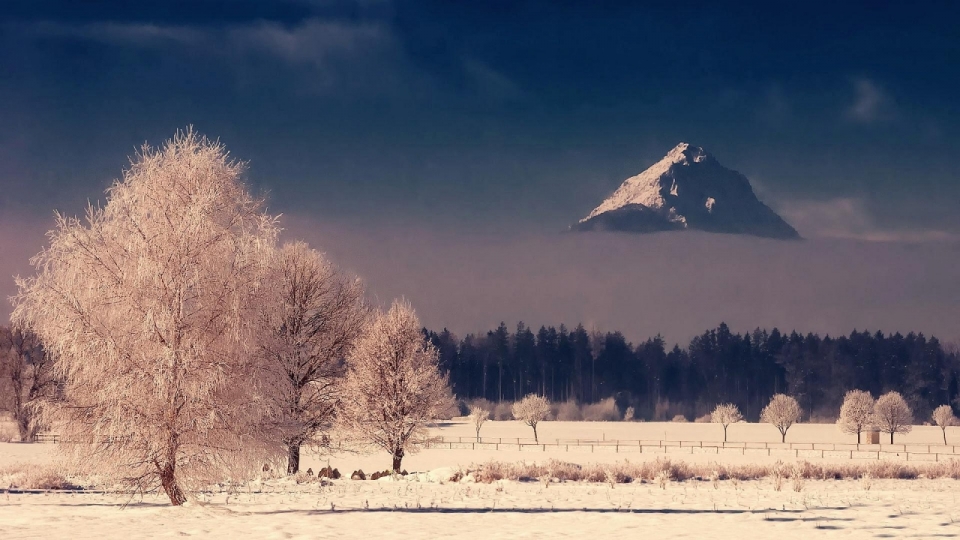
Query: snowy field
[(430, 506)]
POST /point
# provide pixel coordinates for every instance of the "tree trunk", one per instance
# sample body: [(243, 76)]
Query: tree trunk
[(724, 433), (944, 435), (858, 437), (891, 437), (535, 434), (478, 434), (293, 458), (783, 436), (397, 458), (23, 426), (170, 486)]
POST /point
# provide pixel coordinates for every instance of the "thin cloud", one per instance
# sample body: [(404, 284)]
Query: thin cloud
[(850, 218), (312, 41), (871, 103)]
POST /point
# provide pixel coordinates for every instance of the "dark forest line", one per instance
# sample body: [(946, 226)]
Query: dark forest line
[(717, 366)]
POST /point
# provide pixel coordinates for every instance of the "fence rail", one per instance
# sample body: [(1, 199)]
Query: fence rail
[(902, 452)]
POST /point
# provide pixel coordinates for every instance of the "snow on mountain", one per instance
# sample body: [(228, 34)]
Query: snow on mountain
[(687, 189)]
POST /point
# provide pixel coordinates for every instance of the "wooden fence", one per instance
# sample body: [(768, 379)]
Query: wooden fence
[(901, 452)]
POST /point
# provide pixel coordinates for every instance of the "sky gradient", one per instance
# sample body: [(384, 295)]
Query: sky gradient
[(471, 134)]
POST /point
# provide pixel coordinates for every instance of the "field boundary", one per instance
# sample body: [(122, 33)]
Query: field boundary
[(897, 452)]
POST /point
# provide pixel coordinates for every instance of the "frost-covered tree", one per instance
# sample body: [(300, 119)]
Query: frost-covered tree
[(311, 319), (478, 416), (891, 414), (856, 413), (27, 379), (531, 410), (394, 385), (726, 414), (783, 411), (147, 306), (943, 418)]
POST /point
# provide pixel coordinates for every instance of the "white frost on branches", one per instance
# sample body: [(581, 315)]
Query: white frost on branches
[(943, 418), (726, 414), (891, 414), (311, 317), (783, 411), (394, 385), (856, 413), (531, 410), (478, 416), (147, 306)]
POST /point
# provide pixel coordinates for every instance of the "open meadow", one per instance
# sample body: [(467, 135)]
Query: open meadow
[(464, 493)]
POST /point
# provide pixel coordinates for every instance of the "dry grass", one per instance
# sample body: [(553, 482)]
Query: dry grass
[(22, 476), (679, 471)]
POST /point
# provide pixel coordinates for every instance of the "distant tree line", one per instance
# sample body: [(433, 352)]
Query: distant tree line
[(717, 366)]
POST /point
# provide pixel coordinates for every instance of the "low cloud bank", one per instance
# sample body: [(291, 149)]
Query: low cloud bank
[(675, 284)]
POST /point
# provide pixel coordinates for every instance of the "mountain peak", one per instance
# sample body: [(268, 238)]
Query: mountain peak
[(687, 189)]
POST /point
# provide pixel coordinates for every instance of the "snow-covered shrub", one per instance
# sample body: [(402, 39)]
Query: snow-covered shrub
[(629, 414), (568, 411), (679, 418), (603, 411), (503, 410), (8, 433)]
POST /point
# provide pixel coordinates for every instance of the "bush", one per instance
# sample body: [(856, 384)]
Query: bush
[(705, 419), (502, 411), (604, 411), (8, 433), (679, 418), (23, 476), (568, 411), (629, 414)]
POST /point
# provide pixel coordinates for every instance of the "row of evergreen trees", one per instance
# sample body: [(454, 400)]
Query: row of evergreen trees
[(717, 366)]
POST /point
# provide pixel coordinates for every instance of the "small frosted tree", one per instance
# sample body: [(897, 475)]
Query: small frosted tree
[(856, 413), (478, 416), (147, 307), (28, 380), (531, 410), (726, 414), (393, 385), (782, 412), (311, 318), (943, 418), (891, 414)]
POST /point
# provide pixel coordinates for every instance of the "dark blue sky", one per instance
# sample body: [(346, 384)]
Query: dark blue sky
[(498, 117)]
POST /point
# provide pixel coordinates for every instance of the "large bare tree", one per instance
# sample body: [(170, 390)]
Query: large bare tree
[(313, 317), (394, 385), (27, 372), (148, 307)]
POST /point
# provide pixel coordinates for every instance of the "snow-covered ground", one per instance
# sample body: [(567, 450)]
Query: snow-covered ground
[(429, 506), (386, 509)]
